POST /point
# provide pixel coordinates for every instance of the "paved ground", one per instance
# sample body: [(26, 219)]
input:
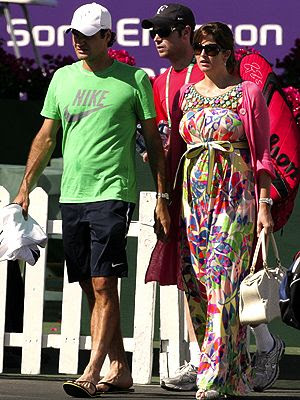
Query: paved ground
[(43, 389)]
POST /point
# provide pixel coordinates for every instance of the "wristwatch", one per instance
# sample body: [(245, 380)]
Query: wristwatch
[(266, 200), (160, 195)]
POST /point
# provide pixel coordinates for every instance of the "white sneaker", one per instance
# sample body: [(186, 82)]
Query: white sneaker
[(184, 379), (266, 366)]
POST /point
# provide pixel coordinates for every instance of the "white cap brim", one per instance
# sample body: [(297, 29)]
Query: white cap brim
[(87, 31)]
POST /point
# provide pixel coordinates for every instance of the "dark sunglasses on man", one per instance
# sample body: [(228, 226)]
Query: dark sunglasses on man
[(162, 32), (212, 49)]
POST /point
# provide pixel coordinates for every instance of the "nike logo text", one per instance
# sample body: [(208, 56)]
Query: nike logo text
[(89, 97)]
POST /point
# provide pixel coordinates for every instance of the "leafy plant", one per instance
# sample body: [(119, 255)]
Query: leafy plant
[(22, 78), (291, 66)]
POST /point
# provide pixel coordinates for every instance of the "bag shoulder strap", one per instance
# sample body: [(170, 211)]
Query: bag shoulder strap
[(261, 242)]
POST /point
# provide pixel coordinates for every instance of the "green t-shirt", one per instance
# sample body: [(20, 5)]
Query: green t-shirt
[(99, 113)]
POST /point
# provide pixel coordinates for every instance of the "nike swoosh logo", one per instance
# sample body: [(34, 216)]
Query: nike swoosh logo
[(116, 265), (77, 117)]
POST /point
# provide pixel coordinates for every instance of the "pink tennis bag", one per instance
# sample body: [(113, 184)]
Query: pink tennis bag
[(285, 136)]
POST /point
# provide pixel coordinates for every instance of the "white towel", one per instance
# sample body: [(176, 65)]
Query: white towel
[(19, 238)]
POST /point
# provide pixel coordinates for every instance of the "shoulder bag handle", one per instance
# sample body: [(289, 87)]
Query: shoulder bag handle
[(262, 242)]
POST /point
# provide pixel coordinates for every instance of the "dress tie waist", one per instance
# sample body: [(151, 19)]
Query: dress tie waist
[(212, 146)]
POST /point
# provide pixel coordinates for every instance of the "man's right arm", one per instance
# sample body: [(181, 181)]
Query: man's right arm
[(40, 152)]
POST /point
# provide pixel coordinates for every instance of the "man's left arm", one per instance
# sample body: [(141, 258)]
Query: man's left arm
[(157, 163)]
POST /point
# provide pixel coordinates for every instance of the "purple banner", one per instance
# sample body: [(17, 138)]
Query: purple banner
[(270, 26)]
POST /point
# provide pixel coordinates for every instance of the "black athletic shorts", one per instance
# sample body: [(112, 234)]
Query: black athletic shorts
[(94, 238)]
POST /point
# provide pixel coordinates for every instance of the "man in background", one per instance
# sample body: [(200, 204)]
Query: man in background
[(172, 29)]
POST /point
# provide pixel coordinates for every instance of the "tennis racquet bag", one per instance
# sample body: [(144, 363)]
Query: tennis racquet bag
[(285, 136)]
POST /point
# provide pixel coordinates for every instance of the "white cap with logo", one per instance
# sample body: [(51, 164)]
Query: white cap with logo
[(90, 18)]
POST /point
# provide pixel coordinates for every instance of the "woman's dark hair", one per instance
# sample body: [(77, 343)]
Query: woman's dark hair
[(223, 36), (112, 38)]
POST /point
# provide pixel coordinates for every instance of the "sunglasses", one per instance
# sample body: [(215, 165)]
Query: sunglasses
[(162, 32), (209, 49)]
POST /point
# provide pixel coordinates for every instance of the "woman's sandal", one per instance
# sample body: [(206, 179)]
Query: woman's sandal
[(203, 394)]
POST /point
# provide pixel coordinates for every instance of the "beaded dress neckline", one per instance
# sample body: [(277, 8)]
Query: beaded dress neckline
[(228, 99)]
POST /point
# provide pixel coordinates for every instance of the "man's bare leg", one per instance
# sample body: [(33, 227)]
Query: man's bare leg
[(191, 330), (119, 373), (193, 345), (103, 300)]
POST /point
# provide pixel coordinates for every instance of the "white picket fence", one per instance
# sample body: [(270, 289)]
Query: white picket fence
[(173, 334)]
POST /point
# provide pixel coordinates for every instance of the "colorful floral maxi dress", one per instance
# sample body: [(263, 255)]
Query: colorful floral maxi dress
[(218, 219)]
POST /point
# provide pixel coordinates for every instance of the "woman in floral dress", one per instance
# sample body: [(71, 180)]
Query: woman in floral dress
[(227, 173)]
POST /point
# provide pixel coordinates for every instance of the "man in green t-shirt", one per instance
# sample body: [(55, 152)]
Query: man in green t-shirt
[(98, 101)]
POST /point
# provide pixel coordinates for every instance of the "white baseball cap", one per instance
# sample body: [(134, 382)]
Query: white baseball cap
[(90, 18)]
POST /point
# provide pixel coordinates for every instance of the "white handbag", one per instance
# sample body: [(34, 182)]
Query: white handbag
[(259, 291)]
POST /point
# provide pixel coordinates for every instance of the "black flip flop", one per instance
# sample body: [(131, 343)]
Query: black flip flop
[(74, 389), (113, 389)]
